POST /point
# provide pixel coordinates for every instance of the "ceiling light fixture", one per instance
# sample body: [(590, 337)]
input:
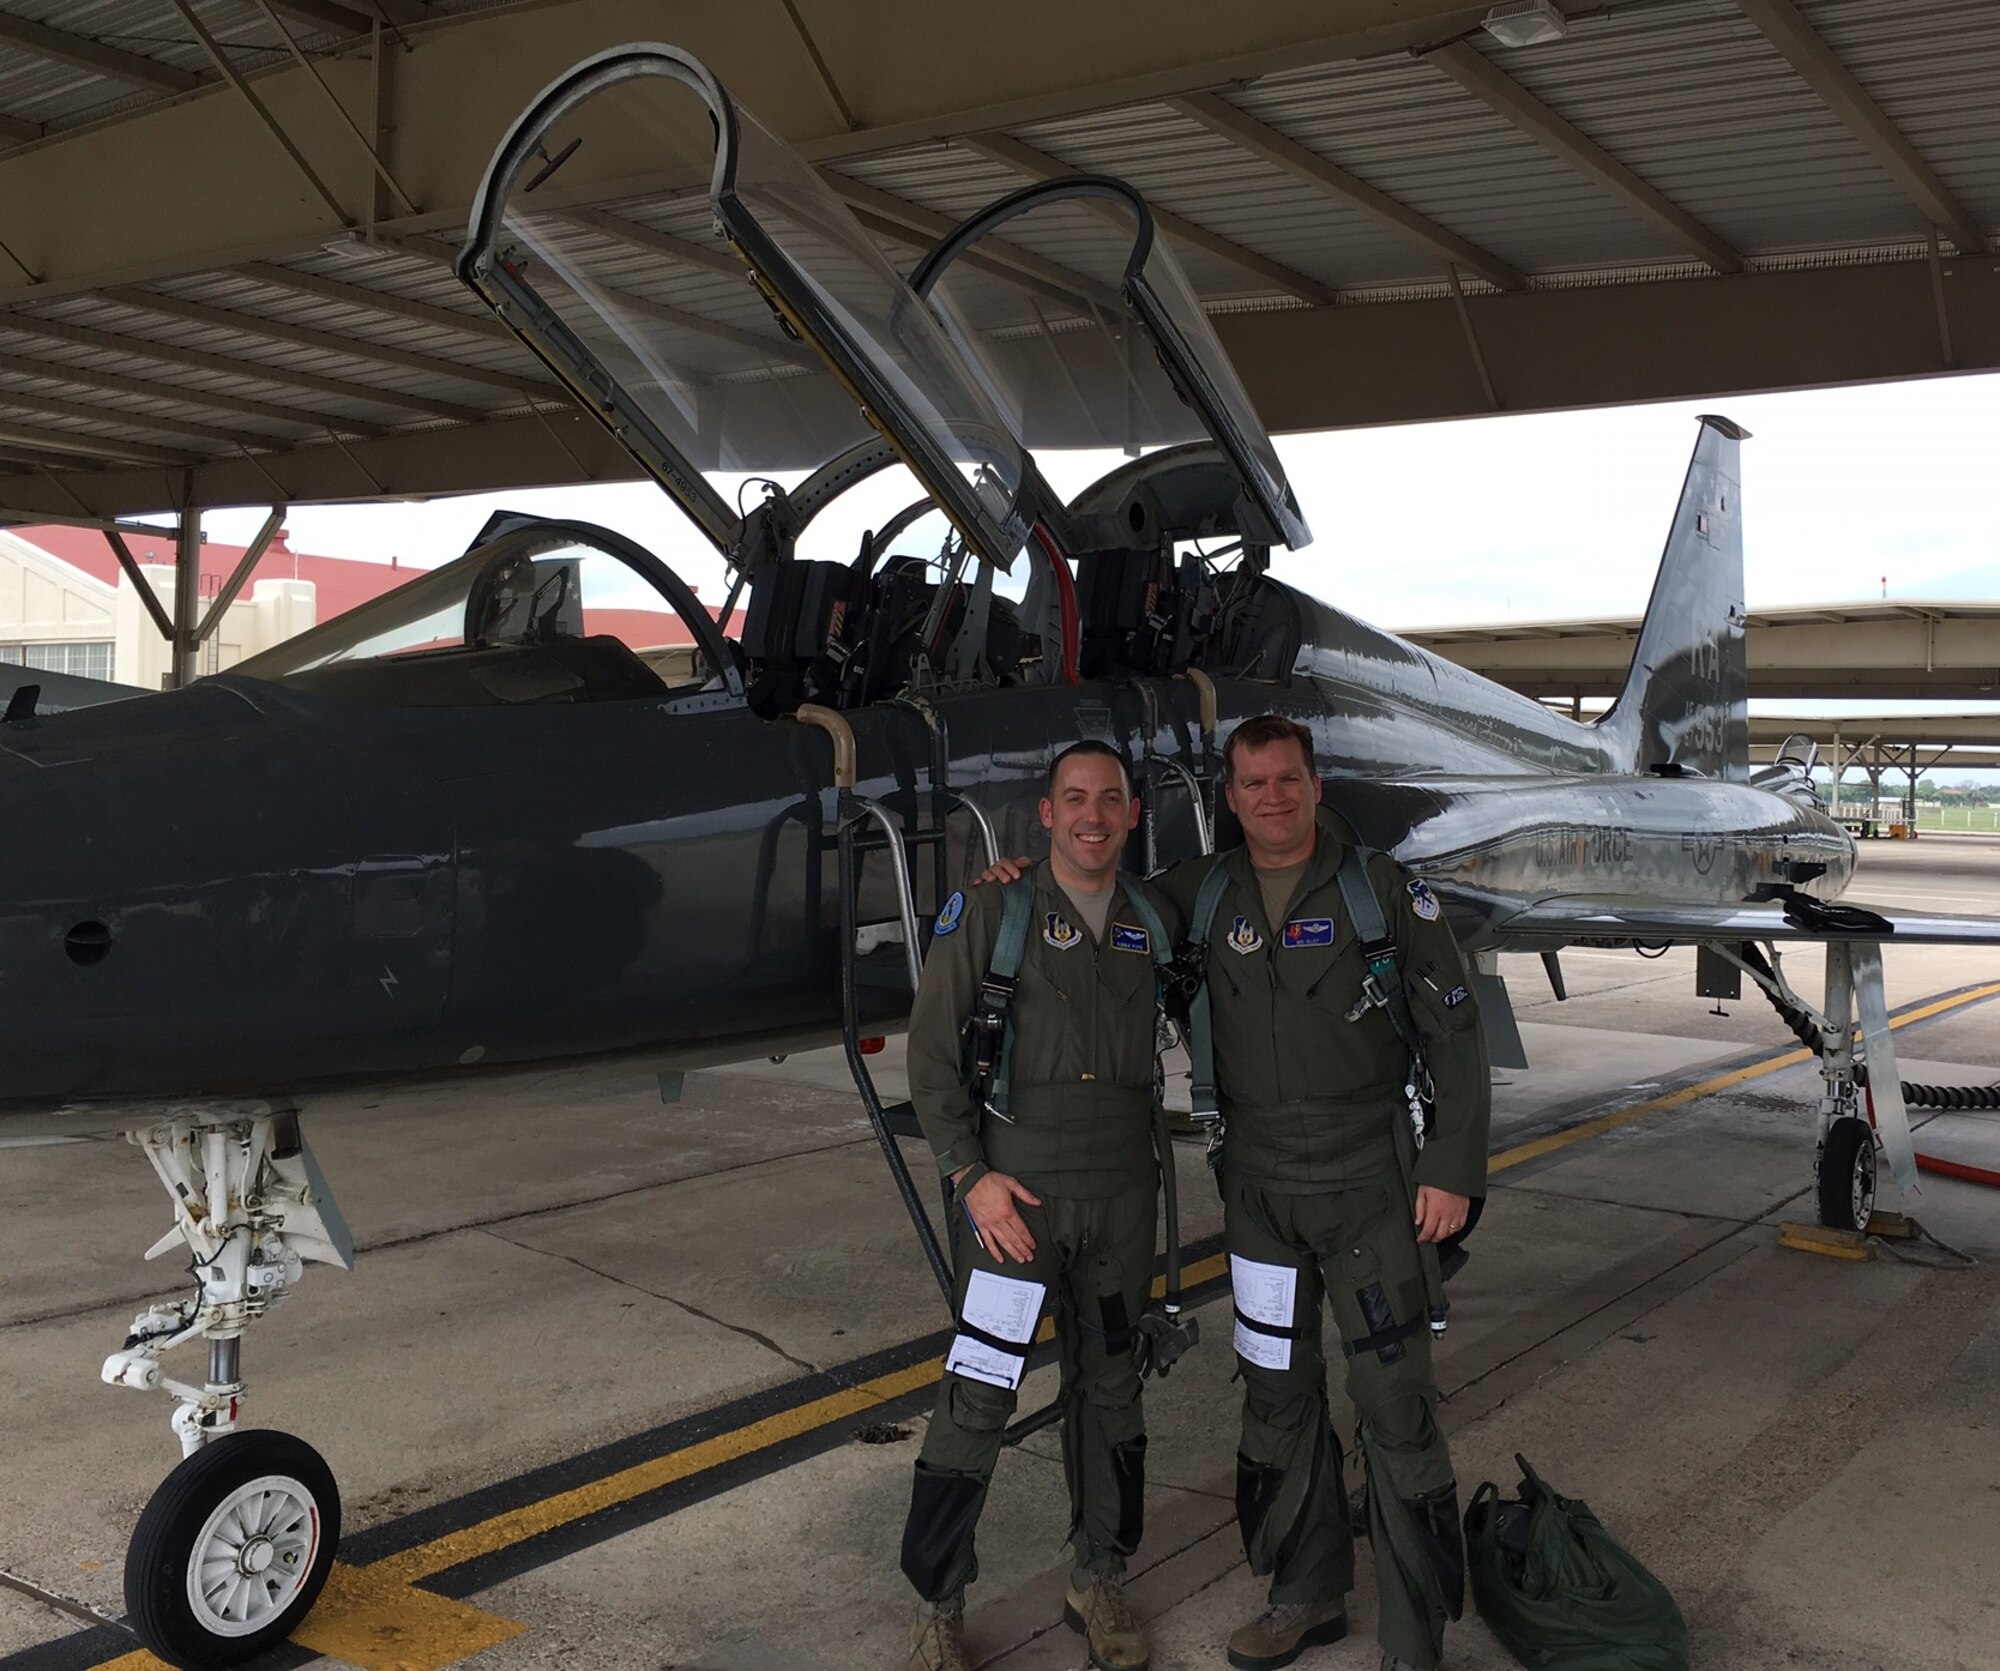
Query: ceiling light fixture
[(1525, 23)]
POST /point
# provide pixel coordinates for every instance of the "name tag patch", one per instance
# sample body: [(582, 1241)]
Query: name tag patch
[(1244, 938), (948, 918), (1060, 932), (1308, 931), (1424, 902), (1125, 939)]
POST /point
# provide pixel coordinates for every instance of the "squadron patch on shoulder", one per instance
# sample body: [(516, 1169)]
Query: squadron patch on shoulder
[(1424, 902), (948, 919), (1244, 938), (1456, 996), (1125, 939), (1308, 931), (1059, 932)]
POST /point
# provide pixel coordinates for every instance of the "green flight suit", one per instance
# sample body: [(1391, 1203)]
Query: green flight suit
[(1313, 1185), (1081, 1137)]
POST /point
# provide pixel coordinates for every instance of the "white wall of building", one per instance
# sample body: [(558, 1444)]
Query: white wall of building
[(45, 603), (53, 614), (265, 614)]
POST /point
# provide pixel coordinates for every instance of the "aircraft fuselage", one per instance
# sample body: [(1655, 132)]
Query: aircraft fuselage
[(244, 892)]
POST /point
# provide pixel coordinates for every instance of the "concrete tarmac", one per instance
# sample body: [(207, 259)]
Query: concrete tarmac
[(618, 1384)]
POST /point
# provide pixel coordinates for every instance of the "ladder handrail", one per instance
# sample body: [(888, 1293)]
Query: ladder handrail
[(906, 899)]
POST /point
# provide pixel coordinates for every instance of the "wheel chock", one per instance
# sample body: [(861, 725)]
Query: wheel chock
[(1829, 1244), (1894, 1227)]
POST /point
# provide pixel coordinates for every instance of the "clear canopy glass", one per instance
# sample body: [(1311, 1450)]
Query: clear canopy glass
[(777, 374)]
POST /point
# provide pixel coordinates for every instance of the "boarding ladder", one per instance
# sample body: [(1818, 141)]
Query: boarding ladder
[(866, 826)]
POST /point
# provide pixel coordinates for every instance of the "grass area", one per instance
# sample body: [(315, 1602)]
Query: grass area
[(1958, 818)]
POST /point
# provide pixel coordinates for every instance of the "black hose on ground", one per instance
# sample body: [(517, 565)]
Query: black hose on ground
[(1806, 1030)]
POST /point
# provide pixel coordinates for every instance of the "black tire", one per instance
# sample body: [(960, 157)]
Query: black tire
[(304, 1506), (1846, 1175)]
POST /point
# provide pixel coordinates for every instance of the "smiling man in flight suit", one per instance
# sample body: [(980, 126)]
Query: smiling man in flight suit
[(1327, 1197), (1060, 1190)]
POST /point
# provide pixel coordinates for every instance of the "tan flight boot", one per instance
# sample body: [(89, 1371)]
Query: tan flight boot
[(938, 1641), (1117, 1639), (1284, 1630)]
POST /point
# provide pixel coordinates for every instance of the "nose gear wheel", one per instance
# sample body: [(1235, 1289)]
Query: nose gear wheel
[(233, 1549)]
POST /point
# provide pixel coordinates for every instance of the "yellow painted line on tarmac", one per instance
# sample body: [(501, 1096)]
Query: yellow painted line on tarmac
[(377, 1623), (374, 1618), (1708, 1087)]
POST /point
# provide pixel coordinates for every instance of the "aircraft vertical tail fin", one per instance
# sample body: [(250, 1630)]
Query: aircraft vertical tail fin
[(1685, 705)]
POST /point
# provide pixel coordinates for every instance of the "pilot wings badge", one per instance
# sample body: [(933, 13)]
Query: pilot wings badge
[(1059, 932), (1244, 938)]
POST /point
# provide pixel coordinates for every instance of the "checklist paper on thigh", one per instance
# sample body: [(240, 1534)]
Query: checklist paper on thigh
[(1266, 1294), (996, 1328)]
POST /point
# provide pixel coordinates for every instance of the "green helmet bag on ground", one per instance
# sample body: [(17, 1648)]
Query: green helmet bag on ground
[(1559, 1592)]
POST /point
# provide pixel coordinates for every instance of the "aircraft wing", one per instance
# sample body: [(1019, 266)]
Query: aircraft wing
[(1561, 921)]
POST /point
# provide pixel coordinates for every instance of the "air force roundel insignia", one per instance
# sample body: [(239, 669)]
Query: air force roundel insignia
[(1244, 938), (1125, 939), (1308, 931), (948, 918), (1424, 901), (1059, 932)]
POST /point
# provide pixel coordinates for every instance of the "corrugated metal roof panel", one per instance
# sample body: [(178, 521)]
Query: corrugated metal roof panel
[(255, 352), (1183, 167), (1406, 130), (1935, 71), (1696, 102)]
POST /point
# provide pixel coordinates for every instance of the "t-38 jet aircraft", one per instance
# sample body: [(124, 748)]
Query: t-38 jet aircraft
[(462, 830)]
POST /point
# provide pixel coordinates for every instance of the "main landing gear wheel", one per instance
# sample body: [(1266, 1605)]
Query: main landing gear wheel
[(233, 1550), (1847, 1175)]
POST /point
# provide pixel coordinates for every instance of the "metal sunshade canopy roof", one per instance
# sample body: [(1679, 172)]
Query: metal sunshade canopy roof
[(226, 226)]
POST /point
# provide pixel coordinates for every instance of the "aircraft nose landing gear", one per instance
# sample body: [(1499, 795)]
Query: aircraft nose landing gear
[(233, 1549)]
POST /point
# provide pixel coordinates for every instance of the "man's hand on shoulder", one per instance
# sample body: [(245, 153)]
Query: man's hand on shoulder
[(1004, 871)]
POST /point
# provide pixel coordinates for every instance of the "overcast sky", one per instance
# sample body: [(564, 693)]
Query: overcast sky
[(1505, 518), (1487, 519)]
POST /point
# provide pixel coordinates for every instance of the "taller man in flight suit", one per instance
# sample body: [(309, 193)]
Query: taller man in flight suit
[(1061, 1193), (1327, 1197)]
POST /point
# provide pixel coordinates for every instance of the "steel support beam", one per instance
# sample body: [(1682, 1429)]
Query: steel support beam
[(1305, 369), (239, 577), (1507, 98), (1267, 144), (919, 228), (683, 250), (57, 406), (326, 14), (101, 448), (141, 586), (377, 301), (126, 220), (1802, 48), (81, 52), (169, 353), (192, 395), (182, 646), (357, 348), (1010, 152)]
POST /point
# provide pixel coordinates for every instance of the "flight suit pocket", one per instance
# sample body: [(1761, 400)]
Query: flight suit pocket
[(1378, 1289)]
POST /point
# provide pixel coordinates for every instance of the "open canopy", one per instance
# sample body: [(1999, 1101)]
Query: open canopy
[(960, 374), (683, 397), (1123, 358)]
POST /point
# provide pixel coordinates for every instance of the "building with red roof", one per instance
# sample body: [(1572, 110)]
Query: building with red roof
[(66, 605)]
